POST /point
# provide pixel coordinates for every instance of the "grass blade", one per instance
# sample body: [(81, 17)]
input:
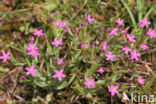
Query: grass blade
[(130, 13)]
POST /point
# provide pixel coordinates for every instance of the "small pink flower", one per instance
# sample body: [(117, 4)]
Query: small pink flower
[(151, 33), (57, 24), (71, 86), (57, 42), (84, 56), (134, 55), (33, 53), (120, 22), (114, 31), (110, 56), (82, 24), (60, 24), (59, 62), (89, 19), (126, 49), (31, 40), (113, 89), (144, 22), (89, 82), (124, 31), (23, 77), (144, 46), (131, 38), (140, 80), (18, 54), (32, 47), (31, 70), (53, 58), (64, 24), (38, 32), (130, 70), (101, 70), (65, 63), (92, 45), (59, 74), (65, 31), (83, 45), (5, 57), (104, 46)]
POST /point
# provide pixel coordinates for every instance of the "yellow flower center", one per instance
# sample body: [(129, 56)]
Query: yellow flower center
[(110, 56), (89, 83), (59, 74), (31, 69), (5, 56), (113, 89)]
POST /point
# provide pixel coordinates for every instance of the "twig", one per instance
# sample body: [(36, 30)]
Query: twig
[(42, 100)]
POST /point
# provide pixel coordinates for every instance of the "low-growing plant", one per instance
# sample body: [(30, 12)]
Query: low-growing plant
[(57, 58)]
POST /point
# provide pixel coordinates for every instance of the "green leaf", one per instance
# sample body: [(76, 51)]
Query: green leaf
[(150, 83), (72, 78), (22, 28), (140, 5), (3, 70), (130, 13), (63, 85), (48, 97)]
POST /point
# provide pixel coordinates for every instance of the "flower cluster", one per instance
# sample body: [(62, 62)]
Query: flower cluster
[(33, 50), (61, 24)]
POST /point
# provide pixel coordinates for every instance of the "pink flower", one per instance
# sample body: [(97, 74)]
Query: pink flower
[(144, 46), (104, 46), (89, 19), (32, 47), (57, 24), (61, 24), (151, 33), (33, 53), (38, 32), (59, 62), (120, 22), (101, 70), (23, 77), (114, 31), (64, 24), (89, 82), (113, 89), (134, 55), (82, 24), (145, 22), (140, 80), (124, 31), (130, 70), (31, 70), (5, 57), (53, 58), (126, 49), (65, 31), (131, 38), (31, 40), (71, 86), (83, 45), (57, 42), (110, 56), (84, 56), (59, 74)]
